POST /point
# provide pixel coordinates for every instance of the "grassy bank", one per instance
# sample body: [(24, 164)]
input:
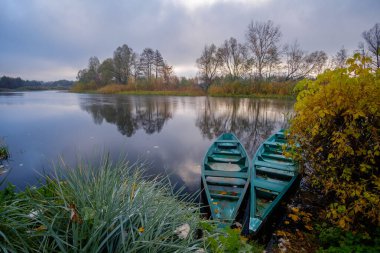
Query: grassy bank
[(223, 89), (110, 208)]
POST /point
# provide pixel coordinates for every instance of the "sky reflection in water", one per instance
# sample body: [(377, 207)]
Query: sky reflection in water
[(171, 134)]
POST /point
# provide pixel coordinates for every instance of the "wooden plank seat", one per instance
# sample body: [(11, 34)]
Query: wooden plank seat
[(231, 174), (266, 184), (225, 158), (276, 156), (275, 144), (215, 166), (226, 181), (275, 171), (224, 196), (276, 166)]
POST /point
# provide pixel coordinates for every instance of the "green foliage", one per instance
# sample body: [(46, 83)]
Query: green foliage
[(333, 239), (8, 193), (336, 128), (106, 209), (4, 153), (227, 239)]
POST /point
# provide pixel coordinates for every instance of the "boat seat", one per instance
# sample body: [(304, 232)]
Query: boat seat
[(228, 188), (265, 184), (276, 166), (224, 196), (276, 172), (224, 166), (227, 144), (227, 152), (226, 181), (275, 144), (232, 174), (226, 158), (276, 156)]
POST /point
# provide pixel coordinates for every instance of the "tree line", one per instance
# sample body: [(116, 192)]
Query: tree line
[(18, 83), (127, 66), (262, 57)]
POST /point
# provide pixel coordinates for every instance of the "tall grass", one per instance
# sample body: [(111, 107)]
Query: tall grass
[(153, 89), (111, 208), (252, 89)]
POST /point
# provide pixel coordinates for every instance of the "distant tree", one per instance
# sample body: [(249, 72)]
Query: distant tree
[(158, 63), (167, 73), (263, 39), (147, 60), (315, 62), (208, 64), (340, 58), (299, 64), (294, 59), (91, 73), (123, 59), (372, 38), (234, 58), (106, 71)]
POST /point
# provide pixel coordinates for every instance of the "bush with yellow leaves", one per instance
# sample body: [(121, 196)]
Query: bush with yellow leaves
[(336, 127)]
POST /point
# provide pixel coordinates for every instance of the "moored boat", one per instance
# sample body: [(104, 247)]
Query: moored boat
[(272, 175), (225, 178)]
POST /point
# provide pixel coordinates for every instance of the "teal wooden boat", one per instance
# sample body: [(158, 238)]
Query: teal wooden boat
[(271, 177), (225, 177)]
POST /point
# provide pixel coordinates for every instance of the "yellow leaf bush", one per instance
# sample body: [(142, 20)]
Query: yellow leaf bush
[(336, 127)]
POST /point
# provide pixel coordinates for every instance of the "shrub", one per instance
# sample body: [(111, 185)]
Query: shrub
[(337, 127), (335, 240)]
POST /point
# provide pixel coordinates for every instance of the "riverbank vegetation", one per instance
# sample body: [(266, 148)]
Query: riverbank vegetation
[(335, 132), (4, 153), (260, 66), (11, 84), (108, 208)]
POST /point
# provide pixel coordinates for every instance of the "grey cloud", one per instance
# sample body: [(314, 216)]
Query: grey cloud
[(36, 34)]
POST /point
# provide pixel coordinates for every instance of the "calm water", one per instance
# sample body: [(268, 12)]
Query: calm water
[(170, 133)]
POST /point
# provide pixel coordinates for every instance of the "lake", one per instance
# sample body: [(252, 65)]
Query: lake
[(171, 134)]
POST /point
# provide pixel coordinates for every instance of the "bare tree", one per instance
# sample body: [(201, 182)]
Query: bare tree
[(340, 58), (147, 62), (167, 72), (314, 63), (299, 64), (208, 64), (234, 57), (263, 39), (294, 59), (372, 38)]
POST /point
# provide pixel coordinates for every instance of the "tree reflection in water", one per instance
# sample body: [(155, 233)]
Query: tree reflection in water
[(130, 113), (251, 120)]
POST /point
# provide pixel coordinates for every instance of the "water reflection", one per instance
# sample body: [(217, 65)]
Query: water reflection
[(171, 133), (252, 120), (130, 113)]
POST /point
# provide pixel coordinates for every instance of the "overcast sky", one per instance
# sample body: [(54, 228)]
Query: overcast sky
[(50, 40)]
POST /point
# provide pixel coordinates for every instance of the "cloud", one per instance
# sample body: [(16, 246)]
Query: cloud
[(65, 34)]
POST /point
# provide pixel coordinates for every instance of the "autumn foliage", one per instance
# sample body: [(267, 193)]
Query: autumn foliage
[(336, 128)]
